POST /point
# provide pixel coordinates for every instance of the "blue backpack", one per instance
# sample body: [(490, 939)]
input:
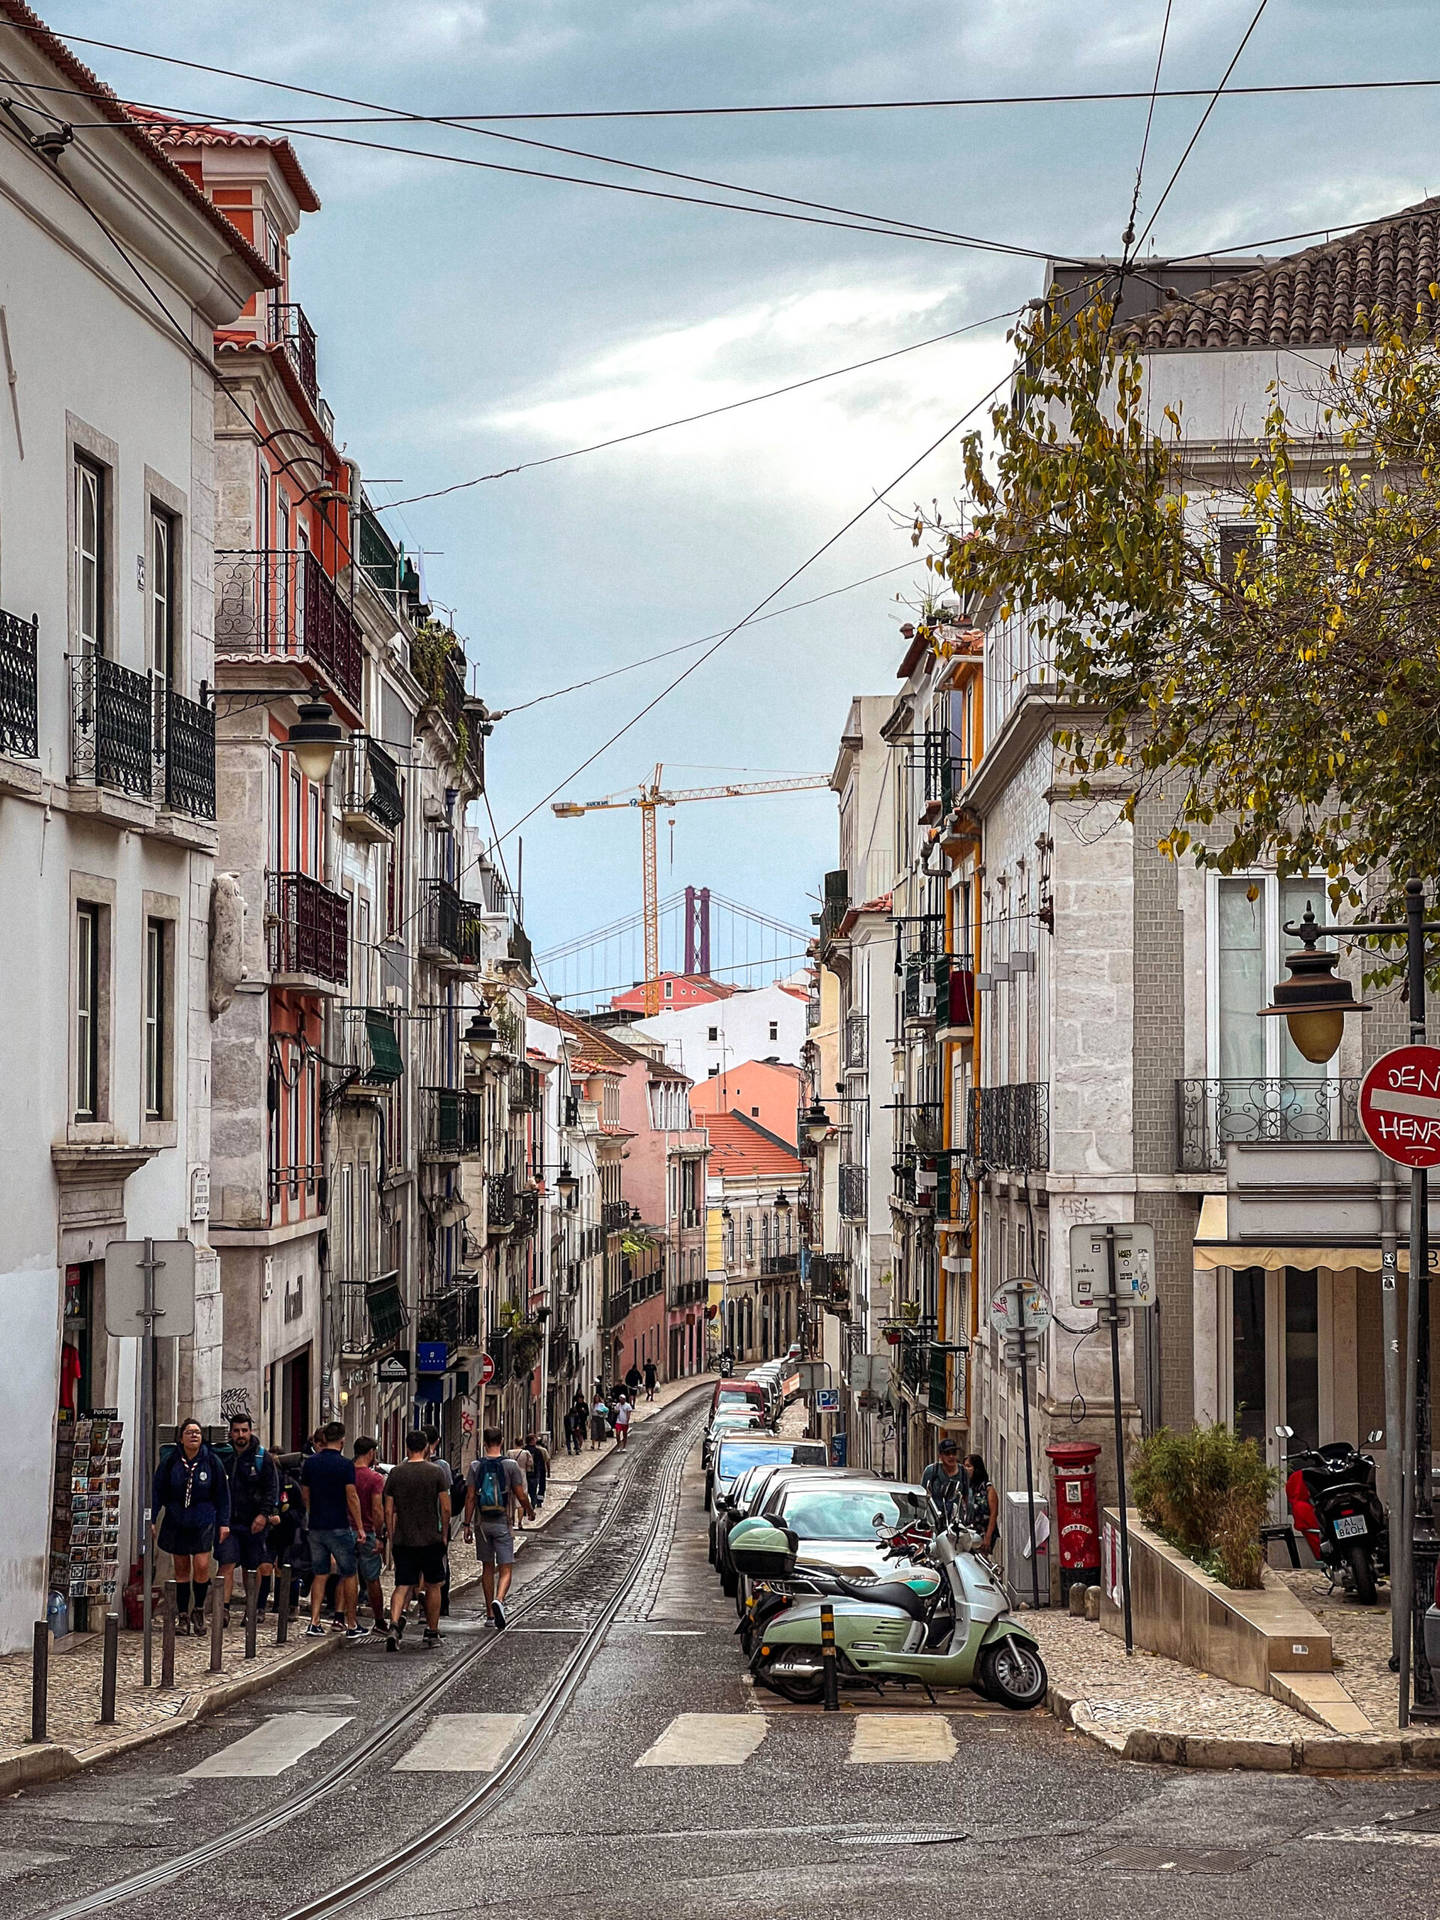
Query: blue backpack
[(491, 1488)]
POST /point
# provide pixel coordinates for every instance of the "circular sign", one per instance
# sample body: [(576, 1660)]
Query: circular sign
[(487, 1369), (1399, 1106), (1005, 1307)]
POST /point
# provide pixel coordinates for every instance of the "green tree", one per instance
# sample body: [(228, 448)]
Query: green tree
[(1282, 692)]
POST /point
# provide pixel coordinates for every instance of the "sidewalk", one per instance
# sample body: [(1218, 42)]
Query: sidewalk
[(144, 1714)]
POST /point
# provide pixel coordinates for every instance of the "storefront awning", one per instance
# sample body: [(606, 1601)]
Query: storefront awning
[(1215, 1248)]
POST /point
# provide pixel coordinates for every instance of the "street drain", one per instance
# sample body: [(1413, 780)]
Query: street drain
[(937, 1838), (1177, 1859)]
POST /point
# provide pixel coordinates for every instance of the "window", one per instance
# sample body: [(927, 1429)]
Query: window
[(163, 583), (1250, 954), (749, 1236), (669, 989), (774, 1029), (714, 1072), (157, 1022), (754, 1113), (712, 1033), (89, 556), (87, 1011)]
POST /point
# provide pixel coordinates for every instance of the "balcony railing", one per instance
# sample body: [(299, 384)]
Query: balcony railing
[(527, 1212), (449, 925), (1214, 1114), (780, 1266), (452, 1123), (369, 1045), (500, 1202), (291, 330), (829, 1282), (19, 708), (624, 1299), (853, 1197), (615, 1216), (812, 1012), (372, 1315), (371, 798), (309, 927), (835, 906), (1010, 1127), (115, 736), (289, 1182), (856, 1039), (454, 1316), (189, 755), (281, 604), (687, 1293), (946, 1381), (525, 1088)]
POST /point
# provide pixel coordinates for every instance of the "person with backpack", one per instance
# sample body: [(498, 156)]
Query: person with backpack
[(525, 1460), (651, 1379), (417, 1519), (577, 1419), (491, 1482), (539, 1474), (632, 1383), (190, 1499), (254, 1512)]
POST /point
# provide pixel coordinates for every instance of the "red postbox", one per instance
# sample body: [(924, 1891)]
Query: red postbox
[(1076, 1510)]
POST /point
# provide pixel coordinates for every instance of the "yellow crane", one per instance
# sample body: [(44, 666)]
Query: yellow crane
[(650, 795)]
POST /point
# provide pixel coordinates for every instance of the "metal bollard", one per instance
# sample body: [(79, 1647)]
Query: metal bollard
[(827, 1653), (282, 1603), (217, 1627), (40, 1682), (109, 1663), (252, 1614), (167, 1638)]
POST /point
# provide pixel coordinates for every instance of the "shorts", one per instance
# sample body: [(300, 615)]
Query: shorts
[(369, 1558), (337, 1543), (242, 1548), (494, 1544), (417, 1565), (177, 1537)]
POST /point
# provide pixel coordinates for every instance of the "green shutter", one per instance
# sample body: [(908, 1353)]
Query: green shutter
[(386, 1065)]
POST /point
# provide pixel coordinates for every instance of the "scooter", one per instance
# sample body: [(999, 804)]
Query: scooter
[(947, 1623), (1333, 1502)]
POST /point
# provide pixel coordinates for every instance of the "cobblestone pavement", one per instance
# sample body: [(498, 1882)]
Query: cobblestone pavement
[(1145, 1689), (1361, 1638)]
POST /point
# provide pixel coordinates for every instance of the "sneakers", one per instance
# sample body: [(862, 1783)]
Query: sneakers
[(314, 1631), (497, 1614), (394, 1634), (337, 1623), (431, 1637), (182, 1623), (356, 1633)]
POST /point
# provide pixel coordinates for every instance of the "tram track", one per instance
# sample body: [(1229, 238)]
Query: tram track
[(530, 1600)]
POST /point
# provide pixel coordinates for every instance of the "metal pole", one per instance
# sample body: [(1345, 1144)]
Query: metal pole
[(252, 1615), (110, 1662), (148, 1520), (1394, 1414), (1024, 1333), (1113, 1315), (167, 1638), (40, 1681), (282, 1602), (827, 1654), (217, 1627), (1424, 1547)]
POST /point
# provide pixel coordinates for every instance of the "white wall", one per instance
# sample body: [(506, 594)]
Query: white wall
[(742, 1025)]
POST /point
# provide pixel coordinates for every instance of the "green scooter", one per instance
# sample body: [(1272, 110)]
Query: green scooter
[(946, 1623)]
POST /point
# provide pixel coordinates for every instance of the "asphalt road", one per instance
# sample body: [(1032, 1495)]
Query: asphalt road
[(823, 1815)]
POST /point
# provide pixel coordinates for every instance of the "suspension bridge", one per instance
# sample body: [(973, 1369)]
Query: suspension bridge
[(700, 932)]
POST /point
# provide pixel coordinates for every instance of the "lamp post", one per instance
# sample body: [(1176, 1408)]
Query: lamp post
[(1314, 1004), (480, 1037)]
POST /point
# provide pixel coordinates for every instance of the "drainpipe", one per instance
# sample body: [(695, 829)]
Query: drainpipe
[(1394, 1421)]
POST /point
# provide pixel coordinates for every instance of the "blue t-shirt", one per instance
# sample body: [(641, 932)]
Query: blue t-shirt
[(327, 1474)]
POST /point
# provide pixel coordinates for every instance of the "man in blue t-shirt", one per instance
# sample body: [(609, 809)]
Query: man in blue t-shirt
[(327, 1482)]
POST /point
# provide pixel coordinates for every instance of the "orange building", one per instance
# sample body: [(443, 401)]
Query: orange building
[(765, 1091)]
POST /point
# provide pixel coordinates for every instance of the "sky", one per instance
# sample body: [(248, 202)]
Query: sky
[(470, 320)]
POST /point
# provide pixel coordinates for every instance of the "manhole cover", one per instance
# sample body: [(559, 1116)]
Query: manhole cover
[(1177, 1859)]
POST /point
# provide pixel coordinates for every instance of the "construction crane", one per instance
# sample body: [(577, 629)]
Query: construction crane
[(650, 795)]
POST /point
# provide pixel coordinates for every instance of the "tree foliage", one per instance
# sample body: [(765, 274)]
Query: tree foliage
[(1282, 691)]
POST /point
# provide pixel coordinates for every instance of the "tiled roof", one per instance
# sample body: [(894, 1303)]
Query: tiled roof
[(1310, 299), (16, 14), (738, 1146), (169, 132)]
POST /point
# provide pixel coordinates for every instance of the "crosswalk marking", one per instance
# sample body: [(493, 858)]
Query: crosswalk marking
[(889, 1739), (706, 1740), (462, 1743), (271, 1748)]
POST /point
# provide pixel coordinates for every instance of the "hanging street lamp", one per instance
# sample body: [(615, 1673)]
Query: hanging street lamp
[(315, 739), (1313, 1001), (480, 1037)]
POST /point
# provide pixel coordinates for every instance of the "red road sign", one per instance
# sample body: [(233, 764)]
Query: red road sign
[(487, 1365), (1399, 1106)]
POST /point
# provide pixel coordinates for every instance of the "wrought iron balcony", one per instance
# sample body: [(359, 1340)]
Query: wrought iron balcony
[(946, 1380), (857, 1040), (309, 927), (19, 709), (829, 1282), (371, 800), (525, 1088), (115, 734), (1214, 1114), (369, 1045), (853, 1198), (454, 1315), (527, 1212), (835, 906), (280, 604), (687, 1293), (500, 1202), (450, 928), (615, 1216), (452, 1123), (372, 1315), (291, 330), (780, 1266), (1010, 1127), (189, 755)]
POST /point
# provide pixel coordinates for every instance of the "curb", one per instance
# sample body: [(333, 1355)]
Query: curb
[(54, 1761), (1310, 1753)]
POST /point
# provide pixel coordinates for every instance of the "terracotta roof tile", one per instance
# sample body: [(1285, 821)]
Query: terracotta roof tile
[(1316, 298), (169, 132), (739, 1147)]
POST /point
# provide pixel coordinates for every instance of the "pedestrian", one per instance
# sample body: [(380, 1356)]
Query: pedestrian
[(190, 1498), (417, 1519), (369, 1550), (254, 1513), (327, 1481), (290, 1541), (525, 1461), (945, 1480), (538, 1477), (982, 1502), (488, 1488), (576, 1421), (622, 1422), (651, 1379), (432, 1452), (632, 1382), (599, 1422)]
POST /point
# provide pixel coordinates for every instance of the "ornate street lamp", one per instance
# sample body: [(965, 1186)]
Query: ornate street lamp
[(315, 739), (480, 1037), (815, 1122), (1313, 1000), (566, 1185)]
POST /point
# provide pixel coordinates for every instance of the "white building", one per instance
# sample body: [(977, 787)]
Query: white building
[(745, 1023), (107, 780)]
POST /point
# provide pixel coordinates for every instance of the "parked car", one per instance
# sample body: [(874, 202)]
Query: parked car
[(835, 1519), (750, 1493), (733, 1420), (735, 1393), (735, 1452)]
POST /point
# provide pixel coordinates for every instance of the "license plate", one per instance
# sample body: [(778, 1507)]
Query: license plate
[(1351, 1525)]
